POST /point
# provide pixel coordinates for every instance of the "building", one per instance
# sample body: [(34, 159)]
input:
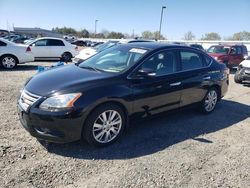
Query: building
[(36, 32)]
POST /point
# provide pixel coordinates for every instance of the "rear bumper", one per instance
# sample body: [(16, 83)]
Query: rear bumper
[(60, 127)]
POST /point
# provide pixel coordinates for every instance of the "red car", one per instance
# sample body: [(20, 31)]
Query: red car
[(231, 55)]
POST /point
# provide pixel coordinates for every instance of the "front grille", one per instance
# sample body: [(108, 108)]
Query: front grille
[(27, 99)]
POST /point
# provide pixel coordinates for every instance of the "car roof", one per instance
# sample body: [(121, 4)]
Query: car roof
[(228, 45), (50, 38), (152, 45)]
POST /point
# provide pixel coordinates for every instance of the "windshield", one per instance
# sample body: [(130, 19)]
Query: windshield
[(116, 59), (218, 50), (104, 46)]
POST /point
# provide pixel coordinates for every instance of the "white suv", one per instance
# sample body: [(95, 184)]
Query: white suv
[(48, 48)]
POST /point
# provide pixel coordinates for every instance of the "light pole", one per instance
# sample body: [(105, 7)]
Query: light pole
[(162, 8), (96, 26)]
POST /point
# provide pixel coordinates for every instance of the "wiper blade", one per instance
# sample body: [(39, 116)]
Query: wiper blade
[(92, 68)]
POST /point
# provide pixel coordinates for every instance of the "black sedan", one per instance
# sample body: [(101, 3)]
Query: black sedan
[(96, 99)]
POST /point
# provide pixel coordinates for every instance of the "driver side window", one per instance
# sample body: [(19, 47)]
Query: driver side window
[(162, 63)]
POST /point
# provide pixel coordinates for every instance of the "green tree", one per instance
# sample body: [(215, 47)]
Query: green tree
[(84, 33), (65, 30), (211, 36), (189, 36), (147, 35), (152, 35), (115, 35), (243, 35), (100, 36)]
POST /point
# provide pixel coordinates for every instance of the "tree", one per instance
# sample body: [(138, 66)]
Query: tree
[(189, 36), (115, 35), (152, 35), (100, 36), (65, 30), (243, 35), (211, 36), (147, 35), (84, 33)]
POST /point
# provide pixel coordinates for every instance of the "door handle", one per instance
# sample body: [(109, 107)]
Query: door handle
[(175, 84), (207, 78)]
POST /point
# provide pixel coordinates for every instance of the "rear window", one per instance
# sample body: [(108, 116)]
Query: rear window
[(3, 43), (54, 42), (244, 48)]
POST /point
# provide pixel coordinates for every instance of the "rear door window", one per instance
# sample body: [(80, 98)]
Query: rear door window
[(192, 60), (54, 42)]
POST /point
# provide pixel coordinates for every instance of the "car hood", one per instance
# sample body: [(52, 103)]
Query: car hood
[(63, 78), (245, 63)]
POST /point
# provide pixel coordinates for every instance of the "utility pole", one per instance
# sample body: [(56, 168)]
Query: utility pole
[(96, 26), (162, 8)]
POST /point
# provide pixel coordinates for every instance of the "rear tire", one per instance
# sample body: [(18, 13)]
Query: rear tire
[(66, 57), (104, 125), (8, 61), (210, 101)]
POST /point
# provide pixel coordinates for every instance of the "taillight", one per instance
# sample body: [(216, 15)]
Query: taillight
[(28, 49)]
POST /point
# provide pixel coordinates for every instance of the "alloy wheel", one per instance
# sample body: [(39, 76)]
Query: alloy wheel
[(107, 126), (211, 100), (8, 62)]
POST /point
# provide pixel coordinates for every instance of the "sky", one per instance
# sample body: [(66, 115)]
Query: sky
[(180, 16)]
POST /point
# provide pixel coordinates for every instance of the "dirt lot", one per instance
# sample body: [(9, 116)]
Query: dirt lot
[(187, 149)]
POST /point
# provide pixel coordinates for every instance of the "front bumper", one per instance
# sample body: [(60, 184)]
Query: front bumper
[(244, 74), (59, 127)]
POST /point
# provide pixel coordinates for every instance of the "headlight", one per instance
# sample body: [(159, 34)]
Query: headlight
[(60, 102), (216, 58)]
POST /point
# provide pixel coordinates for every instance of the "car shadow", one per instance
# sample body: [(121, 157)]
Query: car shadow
[(233, 70), (21, 67), (153, 135)]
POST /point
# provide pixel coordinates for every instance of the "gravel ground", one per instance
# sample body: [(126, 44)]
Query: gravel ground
[(185, 149)]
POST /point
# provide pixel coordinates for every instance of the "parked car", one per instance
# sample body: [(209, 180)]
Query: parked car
[(49, 48), (12, 54), (20, 39), (79, 43), (197, 46), (97, 98), (93, 44), (231, 55), (243, 72), (88, 52)]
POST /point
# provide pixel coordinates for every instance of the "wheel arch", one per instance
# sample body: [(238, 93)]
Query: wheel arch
[(8, 54), (114, 102)]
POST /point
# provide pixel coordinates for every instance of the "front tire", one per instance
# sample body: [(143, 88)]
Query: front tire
[(8, 61), (237, 78), (210, 101), (104, 125)]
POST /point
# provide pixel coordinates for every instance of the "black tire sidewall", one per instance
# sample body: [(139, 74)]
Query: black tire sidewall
[(237, 78), (4, 56), (67, 55), (87, 133)]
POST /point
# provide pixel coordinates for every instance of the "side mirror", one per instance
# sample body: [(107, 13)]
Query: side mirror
[(146, 72)]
